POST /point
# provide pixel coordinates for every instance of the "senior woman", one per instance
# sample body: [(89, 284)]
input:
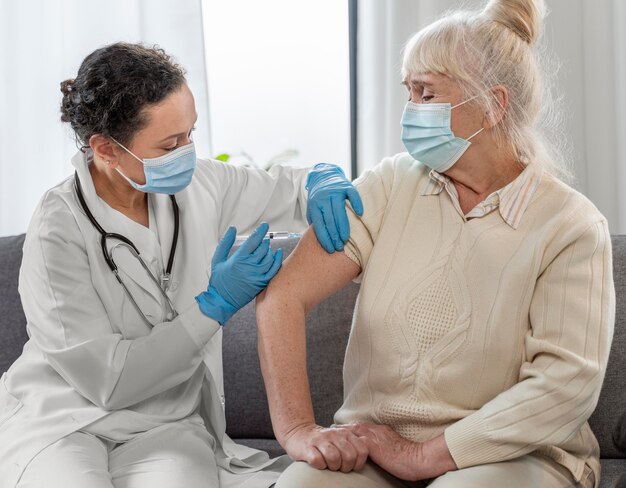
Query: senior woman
[(484, 319), (121, 381)]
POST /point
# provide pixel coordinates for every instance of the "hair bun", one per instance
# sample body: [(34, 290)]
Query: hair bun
[(68, 104), (523, 17), (67, 86)]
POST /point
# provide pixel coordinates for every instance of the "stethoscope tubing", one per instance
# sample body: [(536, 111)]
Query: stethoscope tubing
[(112, 235)]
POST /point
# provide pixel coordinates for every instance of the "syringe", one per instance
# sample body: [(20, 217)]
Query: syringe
[(270, 235)]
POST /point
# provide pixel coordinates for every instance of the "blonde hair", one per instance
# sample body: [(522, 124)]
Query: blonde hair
[(498, 46)]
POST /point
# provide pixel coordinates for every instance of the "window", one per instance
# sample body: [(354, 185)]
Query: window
[(279, 80)]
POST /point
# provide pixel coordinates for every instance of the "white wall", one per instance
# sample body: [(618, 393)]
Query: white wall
[(279, 78)]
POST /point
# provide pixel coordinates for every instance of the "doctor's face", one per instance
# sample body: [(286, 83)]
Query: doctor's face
[(170, 124)]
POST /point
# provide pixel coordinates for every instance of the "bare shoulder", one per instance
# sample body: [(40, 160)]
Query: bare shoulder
[(310, 274)]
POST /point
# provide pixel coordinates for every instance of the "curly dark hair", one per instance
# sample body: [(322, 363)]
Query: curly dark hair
[(113, 86)]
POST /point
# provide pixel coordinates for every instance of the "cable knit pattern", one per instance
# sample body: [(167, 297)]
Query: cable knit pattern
[(494, 331), (431, 314)]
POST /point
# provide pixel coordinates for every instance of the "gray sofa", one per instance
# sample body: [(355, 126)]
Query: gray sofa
[(328, 327)]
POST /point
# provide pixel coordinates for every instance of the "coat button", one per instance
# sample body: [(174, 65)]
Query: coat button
[(222, 400)]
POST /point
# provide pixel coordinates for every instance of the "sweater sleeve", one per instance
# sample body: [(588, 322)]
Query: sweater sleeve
[(566, 351), (374, 186)]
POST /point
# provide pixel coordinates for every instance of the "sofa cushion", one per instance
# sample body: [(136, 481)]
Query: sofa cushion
[(12, 321), (613, 473), (605, 421), (271, 446)]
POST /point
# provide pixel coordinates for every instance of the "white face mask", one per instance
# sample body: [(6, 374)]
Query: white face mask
[(427, 135), (167, 174)]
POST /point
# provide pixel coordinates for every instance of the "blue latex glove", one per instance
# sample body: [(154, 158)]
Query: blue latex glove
[(238, 279), (326, 209)]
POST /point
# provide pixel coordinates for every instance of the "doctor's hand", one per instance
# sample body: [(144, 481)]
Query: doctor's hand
[(237, 279), (326, 208), (326, 448)]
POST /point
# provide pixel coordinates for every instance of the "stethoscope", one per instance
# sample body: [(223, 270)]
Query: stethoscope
[(171, 314)]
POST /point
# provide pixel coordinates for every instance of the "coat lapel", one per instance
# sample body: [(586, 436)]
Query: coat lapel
[(144, 291)]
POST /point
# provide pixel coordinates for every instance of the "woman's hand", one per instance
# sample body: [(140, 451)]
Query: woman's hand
[(326, 208), (237, 279), (400, 457), (326, 448)]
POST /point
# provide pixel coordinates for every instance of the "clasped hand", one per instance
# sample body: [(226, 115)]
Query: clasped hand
[(392, 452), (326, 448), (347, 448)]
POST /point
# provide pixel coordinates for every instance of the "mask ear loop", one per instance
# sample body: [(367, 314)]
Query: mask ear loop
[(455, 106), (117, 168), (463, 103), (475, 133), (127, 150)]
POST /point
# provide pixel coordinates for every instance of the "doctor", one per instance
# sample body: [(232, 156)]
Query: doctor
[(126, 286)]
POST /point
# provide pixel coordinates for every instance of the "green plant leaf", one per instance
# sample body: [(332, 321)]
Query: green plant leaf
[(223, 157)]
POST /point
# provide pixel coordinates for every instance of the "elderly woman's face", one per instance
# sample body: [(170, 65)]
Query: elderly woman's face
[(436, 88)]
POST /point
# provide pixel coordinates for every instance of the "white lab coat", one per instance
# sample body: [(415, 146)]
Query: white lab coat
[(89, 352)]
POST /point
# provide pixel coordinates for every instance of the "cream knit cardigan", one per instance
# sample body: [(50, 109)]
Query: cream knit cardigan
[(496, 336)]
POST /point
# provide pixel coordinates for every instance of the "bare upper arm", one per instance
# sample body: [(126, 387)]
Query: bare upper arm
[(310, 274)]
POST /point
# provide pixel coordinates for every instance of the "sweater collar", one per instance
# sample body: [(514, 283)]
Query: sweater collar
[(511, 200)]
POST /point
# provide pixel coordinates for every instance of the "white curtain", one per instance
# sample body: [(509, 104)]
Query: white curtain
[(42, 42), (620, 105), (586, 37)]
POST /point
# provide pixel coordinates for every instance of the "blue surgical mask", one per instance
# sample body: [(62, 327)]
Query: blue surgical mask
[(427, 135), (167, 174)]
